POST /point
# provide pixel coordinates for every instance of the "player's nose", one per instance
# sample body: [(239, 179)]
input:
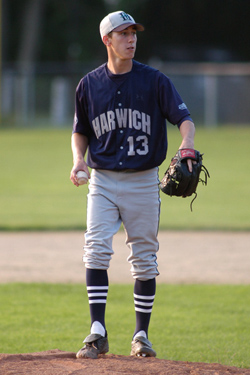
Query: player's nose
[(132, 37)]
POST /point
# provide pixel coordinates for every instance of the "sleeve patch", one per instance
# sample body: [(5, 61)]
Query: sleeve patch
[(182, 106)]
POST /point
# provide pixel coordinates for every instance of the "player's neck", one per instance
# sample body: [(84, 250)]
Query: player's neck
[(120, 66)]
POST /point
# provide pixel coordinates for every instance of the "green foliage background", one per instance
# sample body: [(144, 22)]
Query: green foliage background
[(36, 193), (69, 29)]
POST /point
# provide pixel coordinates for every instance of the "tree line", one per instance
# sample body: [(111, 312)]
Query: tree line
[(175, 30)]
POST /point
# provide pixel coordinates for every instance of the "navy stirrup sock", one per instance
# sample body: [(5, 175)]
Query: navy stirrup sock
[(97, 288), (144, 294)]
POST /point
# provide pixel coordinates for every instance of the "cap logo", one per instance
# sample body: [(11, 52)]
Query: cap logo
[(125, 16)]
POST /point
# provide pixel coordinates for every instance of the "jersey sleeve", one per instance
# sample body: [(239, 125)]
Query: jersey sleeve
[(171, 103), (81, 121)]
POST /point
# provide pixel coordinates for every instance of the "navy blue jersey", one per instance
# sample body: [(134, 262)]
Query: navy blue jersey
[(124, 117)]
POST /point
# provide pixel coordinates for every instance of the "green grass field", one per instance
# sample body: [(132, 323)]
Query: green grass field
[(36, 193), (189, 322)]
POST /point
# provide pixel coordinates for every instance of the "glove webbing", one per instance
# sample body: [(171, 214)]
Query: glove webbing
[(204, 182)]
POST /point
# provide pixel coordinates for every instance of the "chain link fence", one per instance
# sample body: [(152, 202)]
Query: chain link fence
[(215, 94)]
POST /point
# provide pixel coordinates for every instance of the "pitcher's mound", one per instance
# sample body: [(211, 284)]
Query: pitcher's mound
[(56, 362)]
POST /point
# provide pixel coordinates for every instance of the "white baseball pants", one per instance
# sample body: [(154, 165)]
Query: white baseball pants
[(131, 198)]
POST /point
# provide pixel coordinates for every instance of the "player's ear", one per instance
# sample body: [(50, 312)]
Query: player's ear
[(106, 40)]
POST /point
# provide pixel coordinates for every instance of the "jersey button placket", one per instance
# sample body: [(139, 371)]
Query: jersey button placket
[(119, 93), (121, 131)]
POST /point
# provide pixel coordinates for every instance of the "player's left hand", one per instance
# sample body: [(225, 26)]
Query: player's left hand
[(178, 179), (190, 163), (187, 144)]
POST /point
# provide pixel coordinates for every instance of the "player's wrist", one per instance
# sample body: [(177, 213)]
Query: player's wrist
[(78, 159), (187, 142)]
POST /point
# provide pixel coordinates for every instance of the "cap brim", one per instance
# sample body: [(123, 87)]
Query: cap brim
[(137, 26)]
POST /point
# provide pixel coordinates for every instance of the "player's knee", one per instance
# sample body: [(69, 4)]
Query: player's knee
[(96, 263), (144, 274)]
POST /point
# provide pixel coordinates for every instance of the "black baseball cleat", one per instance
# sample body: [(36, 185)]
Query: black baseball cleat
[(142, 347), (94, 344)]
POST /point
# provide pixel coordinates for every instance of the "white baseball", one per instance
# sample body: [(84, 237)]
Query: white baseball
[(82, 177)]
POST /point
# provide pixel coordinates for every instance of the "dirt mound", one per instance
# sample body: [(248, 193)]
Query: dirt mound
[(56, 362)]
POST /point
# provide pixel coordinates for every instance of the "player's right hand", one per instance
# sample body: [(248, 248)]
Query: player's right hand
[(78, 166)]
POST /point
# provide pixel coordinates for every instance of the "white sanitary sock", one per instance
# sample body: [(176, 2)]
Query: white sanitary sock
[(141, 333), (97, 328)]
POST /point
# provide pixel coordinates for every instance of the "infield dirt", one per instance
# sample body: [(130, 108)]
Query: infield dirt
[(184, 257)]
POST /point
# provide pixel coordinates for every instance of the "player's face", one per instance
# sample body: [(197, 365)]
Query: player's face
[(123, 43)]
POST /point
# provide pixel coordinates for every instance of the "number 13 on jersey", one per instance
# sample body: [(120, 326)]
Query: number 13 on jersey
[(142, 150)]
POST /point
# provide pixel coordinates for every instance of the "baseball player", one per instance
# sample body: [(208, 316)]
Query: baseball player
[(121, 110)]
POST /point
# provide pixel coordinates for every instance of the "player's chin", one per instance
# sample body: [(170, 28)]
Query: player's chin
[(130, 52)]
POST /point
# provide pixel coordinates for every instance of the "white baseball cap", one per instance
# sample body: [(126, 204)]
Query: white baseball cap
[(117, 21)]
